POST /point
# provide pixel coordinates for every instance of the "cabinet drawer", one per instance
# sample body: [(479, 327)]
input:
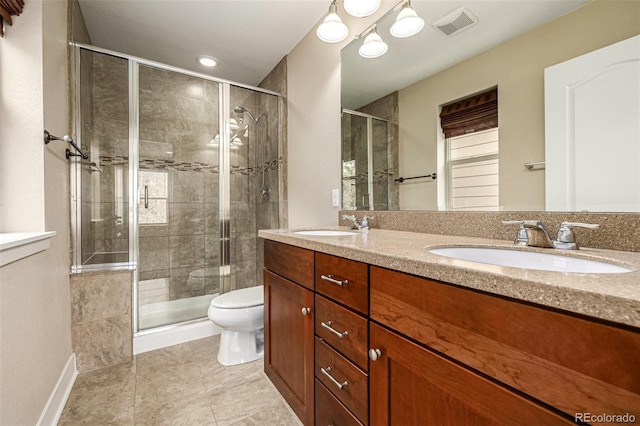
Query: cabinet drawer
[(333, 321), (344, 280), (291, 262), (330, 411), (572, 363), (352, 384)]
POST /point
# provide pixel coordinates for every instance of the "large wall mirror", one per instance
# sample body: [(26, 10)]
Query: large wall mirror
[(392, 105)]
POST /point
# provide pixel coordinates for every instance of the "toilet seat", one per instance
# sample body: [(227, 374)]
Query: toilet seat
[(240, 299)]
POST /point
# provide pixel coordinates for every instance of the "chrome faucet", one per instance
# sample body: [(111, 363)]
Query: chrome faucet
[(566, 239), (362, 225)]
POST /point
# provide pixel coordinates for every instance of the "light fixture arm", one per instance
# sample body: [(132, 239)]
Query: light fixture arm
[(391, 11)]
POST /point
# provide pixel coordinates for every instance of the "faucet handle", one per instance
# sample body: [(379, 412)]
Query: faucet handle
[(522, 238), (565, 233), (354, 221)]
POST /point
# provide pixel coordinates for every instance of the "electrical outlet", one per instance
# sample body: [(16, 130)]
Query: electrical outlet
[(335, 197)]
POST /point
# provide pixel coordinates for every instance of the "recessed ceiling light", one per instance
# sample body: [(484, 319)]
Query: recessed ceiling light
[(207, 61)]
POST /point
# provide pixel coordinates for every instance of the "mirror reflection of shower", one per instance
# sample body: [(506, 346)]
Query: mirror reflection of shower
[(260, 148)]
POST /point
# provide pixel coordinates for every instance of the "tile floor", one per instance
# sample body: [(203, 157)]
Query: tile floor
[(178, 385)]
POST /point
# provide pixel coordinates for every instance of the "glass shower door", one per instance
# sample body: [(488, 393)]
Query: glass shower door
[(177, 181), (365, 162), (100, 214)]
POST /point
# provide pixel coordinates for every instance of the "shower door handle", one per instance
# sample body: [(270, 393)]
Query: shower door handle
[(146, 196)]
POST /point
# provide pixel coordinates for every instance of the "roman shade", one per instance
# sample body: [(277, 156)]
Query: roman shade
[(478, 112)]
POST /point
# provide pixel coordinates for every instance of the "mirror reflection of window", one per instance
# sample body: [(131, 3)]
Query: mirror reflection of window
[(154, 193), (470, 127), (472, 171), (349, 185)]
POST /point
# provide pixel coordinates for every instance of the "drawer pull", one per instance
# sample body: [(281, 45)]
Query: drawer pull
[(306, 311), (374, 354), (326, 371), (333, 280), (327, 325)]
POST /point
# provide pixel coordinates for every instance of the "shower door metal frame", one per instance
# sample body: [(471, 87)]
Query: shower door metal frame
[(224, 182)]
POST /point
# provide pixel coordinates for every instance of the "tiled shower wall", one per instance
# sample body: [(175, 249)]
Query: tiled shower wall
[(271, 212), (105, 135), (387, 108), (178, 233), (385, 152), (101, 319)]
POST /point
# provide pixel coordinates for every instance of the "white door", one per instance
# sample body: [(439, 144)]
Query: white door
[(592, 131)]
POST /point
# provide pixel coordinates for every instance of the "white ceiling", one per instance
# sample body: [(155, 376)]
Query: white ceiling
[(248, 37), (414, 58)]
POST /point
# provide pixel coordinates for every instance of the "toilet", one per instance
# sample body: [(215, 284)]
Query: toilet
[(240, 315)]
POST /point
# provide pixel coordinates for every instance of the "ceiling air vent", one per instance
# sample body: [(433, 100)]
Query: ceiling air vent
[(456, 21)]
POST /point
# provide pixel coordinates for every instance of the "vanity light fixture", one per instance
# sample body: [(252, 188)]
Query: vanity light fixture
[(215, 142), (332, 29), (373, 45), (361, 8), (207, 61), (407, 22), (236, 143)]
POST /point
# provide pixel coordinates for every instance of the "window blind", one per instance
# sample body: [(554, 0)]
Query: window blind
[(479, 112)]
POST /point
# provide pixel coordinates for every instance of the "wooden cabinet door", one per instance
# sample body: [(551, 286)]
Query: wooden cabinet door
[(411, 385), (288, 336)]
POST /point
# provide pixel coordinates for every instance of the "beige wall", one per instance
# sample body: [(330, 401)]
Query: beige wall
[(517, 68), (35, 332), (313, 79)]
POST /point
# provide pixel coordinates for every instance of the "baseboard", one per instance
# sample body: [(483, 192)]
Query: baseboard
[(162, 337), (58, 398)]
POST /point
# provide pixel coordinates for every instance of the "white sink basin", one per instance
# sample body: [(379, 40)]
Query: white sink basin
[(530, 260), (325, 233)]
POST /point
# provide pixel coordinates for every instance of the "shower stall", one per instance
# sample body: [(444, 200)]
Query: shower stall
[(366, 176), (182, 172)]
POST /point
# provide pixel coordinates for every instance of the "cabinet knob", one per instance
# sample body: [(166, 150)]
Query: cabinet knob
[(306, 311), (374, 354)]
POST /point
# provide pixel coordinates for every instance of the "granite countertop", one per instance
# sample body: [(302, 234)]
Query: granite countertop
[(611, 297)]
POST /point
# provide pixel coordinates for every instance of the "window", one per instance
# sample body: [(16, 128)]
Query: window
[(470, 127), (472, 171), (153, 190)]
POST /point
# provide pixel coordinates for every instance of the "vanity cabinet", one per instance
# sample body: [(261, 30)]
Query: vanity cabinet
[(571, 363), (417, 351), (288, 332)]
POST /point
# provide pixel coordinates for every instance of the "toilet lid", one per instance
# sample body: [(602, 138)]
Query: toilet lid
[(243, 298)]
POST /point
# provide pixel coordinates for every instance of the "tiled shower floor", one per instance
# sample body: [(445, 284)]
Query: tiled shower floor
[(178, 385)]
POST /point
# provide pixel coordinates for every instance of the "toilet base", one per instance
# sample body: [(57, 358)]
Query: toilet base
[(238, 347)]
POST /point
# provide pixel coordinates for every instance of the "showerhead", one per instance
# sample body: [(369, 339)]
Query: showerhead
[(242, 110)]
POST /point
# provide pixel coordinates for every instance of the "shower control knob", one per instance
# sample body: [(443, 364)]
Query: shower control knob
[(305, 311), (374, 354)]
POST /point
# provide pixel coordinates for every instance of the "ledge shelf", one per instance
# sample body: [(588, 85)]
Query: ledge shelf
[(17, 245)]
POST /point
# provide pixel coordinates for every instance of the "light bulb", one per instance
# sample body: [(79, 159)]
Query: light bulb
[(361, 8), (373, 46), (332, 29), (207, 61), (407, 23)]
